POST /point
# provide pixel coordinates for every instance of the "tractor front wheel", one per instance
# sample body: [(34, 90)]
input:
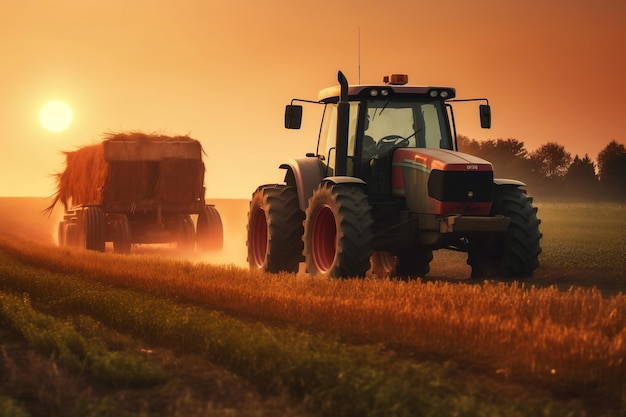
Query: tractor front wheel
[(338, 231), (515, 254), (275, 229)]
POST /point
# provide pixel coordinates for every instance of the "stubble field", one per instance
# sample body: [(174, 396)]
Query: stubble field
[(554, 345)]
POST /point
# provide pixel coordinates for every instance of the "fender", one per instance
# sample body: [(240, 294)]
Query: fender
[(305, 174), (506, 181)]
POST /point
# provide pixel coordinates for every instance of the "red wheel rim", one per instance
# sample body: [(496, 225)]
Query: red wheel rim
[(258, 238), (324, 239)]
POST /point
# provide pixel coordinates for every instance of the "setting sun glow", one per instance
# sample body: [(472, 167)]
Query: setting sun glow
[(55, 116)]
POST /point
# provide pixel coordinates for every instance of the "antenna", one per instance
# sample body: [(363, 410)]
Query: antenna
[(359, 48)]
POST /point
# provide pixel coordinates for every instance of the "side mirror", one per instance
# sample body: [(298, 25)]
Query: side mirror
[(293, 116), (485, 116)]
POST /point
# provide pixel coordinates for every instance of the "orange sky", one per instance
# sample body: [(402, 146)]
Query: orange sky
[(222, 71)]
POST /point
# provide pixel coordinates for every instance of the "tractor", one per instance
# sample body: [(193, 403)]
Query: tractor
[(386, 187)]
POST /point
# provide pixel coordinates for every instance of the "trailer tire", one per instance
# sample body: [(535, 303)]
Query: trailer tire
[(186, 234), (122, 239), (71, 235), (515, 254), (338, 231), (61, 233), (275, 229), (209, 230), (94, 228)]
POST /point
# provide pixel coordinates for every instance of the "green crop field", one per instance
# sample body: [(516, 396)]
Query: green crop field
[(154, 333)]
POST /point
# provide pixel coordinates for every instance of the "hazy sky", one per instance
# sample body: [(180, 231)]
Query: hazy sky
[(222, 71)]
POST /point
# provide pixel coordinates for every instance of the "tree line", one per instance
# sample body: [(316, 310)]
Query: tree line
[(550, 171)]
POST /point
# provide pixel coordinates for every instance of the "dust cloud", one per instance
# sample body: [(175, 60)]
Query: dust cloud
[(24, 217)]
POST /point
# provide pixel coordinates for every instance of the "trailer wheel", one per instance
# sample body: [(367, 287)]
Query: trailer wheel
[(209, 233), (515, 254), (186, 235), (61, 233), (338, 231), (275, 229), (94, 228), (122, 239), (71, 235)]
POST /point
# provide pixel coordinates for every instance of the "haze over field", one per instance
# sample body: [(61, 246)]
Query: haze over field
[(24, 217), (222, 71)]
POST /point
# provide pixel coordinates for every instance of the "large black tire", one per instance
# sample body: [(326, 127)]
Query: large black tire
[(186, 234), (122, 239), (405, 264), (338, 231), (209, 231), (94, 228), (515, 254), (275, 229), (61, 233), (71, 235)]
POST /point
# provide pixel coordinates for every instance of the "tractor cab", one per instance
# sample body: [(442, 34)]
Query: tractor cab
[(381, 118)]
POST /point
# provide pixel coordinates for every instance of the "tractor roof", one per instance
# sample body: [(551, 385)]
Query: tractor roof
[(393, 86)]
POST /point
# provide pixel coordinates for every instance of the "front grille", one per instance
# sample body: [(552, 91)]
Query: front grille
[(461, 186)]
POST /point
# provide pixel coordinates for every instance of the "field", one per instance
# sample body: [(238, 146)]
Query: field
[(163, 333)]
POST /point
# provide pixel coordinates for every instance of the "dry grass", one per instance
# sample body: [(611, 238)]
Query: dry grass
[(572, 341)]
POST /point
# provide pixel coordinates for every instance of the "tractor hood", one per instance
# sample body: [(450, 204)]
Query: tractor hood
[(442, 182)]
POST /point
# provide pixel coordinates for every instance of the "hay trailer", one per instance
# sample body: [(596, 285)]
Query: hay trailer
[(134, 188)]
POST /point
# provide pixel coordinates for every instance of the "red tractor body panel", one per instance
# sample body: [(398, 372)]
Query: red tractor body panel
[(442, 182)]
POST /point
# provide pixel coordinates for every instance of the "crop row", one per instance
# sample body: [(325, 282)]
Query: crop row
[(572, 341)]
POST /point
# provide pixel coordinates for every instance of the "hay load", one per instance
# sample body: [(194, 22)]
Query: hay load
[(133, 168), (136, 188)]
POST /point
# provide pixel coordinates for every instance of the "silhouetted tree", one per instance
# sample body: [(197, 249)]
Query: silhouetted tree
[(611, 151), (614, 177), (610, 169), (552, 160), (550, 170), (581, 179)]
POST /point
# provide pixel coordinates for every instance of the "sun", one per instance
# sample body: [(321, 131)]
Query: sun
[(55, 116)]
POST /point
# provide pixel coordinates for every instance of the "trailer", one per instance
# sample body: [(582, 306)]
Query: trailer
[(137, 188)]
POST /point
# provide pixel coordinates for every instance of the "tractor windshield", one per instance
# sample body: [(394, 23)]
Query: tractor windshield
[(412, 123)]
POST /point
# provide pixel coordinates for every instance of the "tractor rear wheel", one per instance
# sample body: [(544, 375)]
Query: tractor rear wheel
[(209, 231), (275, 229), (338, 231), (515, 254)]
